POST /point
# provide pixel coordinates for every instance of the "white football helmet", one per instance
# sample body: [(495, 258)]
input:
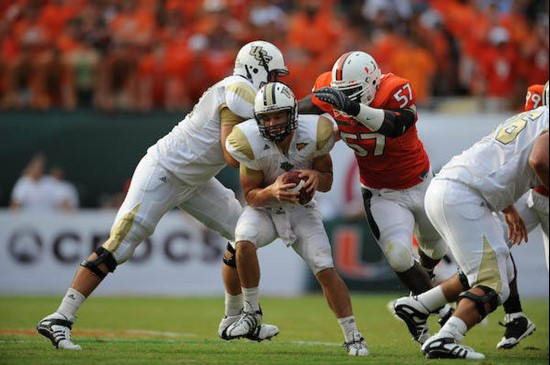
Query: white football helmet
[(357, 75), (260, 62), (545, 94), (274, 97)]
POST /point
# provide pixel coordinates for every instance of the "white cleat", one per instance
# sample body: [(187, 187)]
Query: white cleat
[(440, 347), (415, 316), (246, 324), (224, 325), (261, 333), (57, 328), (356, 346), (517, 328)]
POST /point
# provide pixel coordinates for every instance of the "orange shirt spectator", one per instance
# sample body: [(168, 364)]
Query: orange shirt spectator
[(383, 47), (56, 14), (499, 66), (133, 25), (313, 28), (417, 65)]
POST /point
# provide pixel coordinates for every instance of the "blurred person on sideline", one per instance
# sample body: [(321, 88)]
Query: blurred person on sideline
[(277, 141), (179, 171), (65, 192), (376, 117), (36, 191), (461, 201), (31, 191)]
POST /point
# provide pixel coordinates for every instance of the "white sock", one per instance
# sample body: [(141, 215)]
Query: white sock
[(251, 297), (432, 299), (233, 304), (455, 327), (70, 303), (347, 324)]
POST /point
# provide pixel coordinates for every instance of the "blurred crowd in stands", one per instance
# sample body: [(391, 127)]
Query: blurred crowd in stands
[(138, 55)]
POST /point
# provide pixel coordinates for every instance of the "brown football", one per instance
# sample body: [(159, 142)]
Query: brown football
[(292, 177)]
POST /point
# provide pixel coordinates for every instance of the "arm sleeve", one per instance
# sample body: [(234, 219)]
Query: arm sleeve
[(227, 117)]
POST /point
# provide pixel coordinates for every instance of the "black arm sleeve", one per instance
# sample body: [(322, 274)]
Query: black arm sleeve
[(397, 122), (306, 106)]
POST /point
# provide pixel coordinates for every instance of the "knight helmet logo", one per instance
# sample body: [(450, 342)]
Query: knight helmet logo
[(260, 55)]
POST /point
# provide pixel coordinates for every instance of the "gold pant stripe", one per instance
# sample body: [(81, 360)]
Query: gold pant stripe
[(120, 230), (489, 274)]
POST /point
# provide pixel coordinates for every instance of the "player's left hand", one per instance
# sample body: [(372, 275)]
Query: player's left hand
[(312, 179), (517, 230)]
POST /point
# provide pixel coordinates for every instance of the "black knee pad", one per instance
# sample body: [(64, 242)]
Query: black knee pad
[(490, 297), (103, 255), (230, 261)]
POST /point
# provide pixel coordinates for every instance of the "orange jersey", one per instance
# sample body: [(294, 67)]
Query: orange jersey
[(533, 100), (384, 162)]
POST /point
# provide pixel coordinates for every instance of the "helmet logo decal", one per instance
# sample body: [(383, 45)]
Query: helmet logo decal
[(260, 55), (367, 70), (341, 66)]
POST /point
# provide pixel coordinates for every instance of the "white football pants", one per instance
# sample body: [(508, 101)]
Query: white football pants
[(473, 233), (393, 217), (153, 192)]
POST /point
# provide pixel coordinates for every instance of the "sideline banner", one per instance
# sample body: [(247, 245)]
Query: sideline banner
[(39, 254)]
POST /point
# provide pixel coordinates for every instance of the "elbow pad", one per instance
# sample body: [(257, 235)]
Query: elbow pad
[(396, 123)]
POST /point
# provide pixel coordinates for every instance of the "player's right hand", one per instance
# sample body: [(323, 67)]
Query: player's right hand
[(279, 190), (338, 100)]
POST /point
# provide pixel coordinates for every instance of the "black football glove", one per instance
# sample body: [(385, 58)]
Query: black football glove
[(338, 100)]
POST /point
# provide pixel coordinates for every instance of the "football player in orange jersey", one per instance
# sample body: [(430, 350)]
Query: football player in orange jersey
[(376, 116), (533, 208)]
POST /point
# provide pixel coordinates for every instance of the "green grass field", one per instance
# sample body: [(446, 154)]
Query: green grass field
[(184, 331)]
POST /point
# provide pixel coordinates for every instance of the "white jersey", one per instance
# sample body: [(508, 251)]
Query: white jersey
[(498, 165), (192, 150), (313, 137)]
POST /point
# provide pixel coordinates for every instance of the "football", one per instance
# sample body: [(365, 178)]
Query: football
[(292, 177)]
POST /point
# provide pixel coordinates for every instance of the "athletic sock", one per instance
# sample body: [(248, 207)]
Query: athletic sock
[(347, 324), (70, 303), (455, 328), (233, 304), (251, 297), (432, 299)]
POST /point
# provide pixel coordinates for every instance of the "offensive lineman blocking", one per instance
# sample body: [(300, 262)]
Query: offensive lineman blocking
[(178, 171), (488, 177)]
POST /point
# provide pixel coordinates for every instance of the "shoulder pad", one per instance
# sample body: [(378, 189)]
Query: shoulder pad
[(325, 131), (393, 92), (238, 145), (239, 97)]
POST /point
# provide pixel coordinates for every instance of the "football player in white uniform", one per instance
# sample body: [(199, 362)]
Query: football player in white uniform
[(277, 141), (488, 177), (178, 171), (533, 208)]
